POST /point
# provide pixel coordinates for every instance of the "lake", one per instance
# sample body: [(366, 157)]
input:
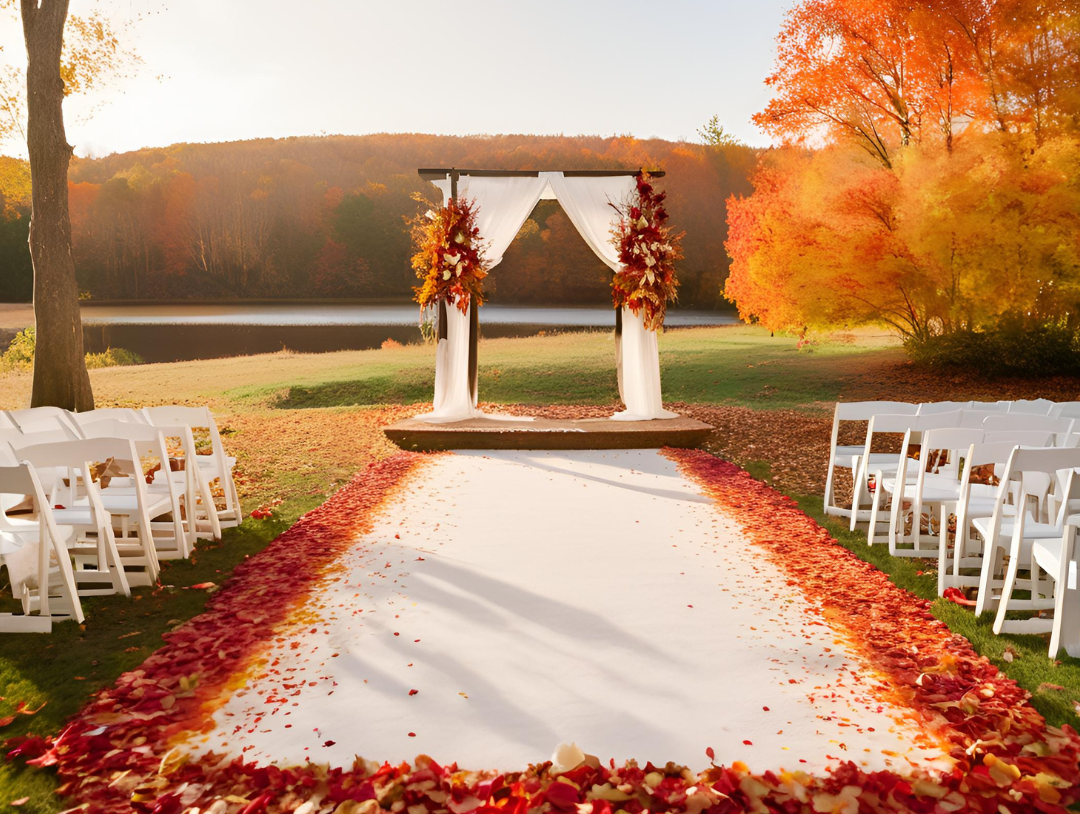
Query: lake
[(174, 332)]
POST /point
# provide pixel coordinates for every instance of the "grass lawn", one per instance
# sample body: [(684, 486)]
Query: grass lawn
[(301, 425)]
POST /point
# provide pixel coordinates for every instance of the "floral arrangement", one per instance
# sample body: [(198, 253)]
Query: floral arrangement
[(449, 256), (648, 250)]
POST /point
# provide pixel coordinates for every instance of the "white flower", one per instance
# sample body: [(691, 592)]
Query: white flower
[(649, 261), (452, 259), (459, 238), (643, 224), (566, 758), (459, 269), (446, 274)]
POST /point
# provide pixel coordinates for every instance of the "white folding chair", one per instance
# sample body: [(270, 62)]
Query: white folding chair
[(1059, 561), (976, 499), (36, 557), (885, 464), (129, 509), (842, 456), (173, 538), (216, 466), (1011, 529), (955, 569), (933, 493)]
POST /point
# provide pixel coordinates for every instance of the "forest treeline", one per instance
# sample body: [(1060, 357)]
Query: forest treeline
[(327, 217)]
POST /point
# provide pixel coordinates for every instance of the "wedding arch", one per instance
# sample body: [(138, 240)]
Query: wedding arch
[(503, 200)]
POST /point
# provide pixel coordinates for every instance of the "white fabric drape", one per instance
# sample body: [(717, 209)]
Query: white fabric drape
[(453, 401), (586, 201), (503, 204), (640, 380)]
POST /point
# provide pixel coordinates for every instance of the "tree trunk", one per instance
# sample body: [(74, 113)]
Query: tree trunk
[(60, 377)]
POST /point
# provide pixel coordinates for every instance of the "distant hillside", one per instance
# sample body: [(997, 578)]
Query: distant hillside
[(326, 217)]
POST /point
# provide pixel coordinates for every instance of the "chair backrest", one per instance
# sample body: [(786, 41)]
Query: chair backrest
[(1032, 406), (1065, 409), (953, 441), (192, 417), (951, 438), (991, 451), (931, 407), (888, 422), (1063, 427), (865, 410), (141, 434), (973, 419), (40, 419), (84, 453), (125, 414), (1021, 438), (938, 421), (903, 423), (7, 422), (1038, 468), (991, 406), (17, 439)]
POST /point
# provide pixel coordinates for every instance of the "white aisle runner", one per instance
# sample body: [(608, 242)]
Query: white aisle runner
[(531, 598)]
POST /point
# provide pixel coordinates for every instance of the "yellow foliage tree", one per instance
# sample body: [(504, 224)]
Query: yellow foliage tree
[(64, 55)]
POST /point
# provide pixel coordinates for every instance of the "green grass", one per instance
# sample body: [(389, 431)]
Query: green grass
[(1030, 667), (732, 365)]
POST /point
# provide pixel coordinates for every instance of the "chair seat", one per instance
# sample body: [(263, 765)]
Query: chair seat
[(1047, 553), (210, 462), (156, 505), (75, 516), (936, 488), (845, 454), (1032, 530)]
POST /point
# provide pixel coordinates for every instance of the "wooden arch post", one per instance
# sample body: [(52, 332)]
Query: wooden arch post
[(474, 312)]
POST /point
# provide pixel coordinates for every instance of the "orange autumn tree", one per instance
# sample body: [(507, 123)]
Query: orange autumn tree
[(928, 174)]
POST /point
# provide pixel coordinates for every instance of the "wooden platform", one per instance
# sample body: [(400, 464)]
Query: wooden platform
[(544, 433)]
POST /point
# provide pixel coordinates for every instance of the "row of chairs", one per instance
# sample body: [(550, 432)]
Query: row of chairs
[(92, 502), (989, 490)]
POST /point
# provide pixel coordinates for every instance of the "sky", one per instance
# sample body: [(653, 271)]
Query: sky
[(222, 70)]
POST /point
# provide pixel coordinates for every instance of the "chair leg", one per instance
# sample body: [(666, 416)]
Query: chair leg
[(991, 555), (875, 505), (113, 563), (1006, 594), (857, 486)]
